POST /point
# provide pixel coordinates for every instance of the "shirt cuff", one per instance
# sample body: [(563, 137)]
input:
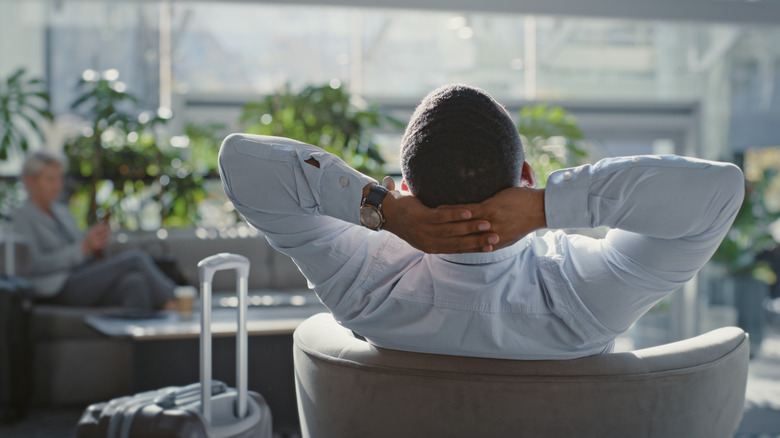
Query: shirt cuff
[(342, 192), (566, 199)]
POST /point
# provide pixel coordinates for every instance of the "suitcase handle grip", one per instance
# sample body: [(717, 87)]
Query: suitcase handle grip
[(206, 270), (221, 262)]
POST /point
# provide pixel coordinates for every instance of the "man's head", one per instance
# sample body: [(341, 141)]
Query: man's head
[(460, 147)]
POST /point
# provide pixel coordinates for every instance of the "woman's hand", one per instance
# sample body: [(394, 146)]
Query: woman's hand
[(98, 236)]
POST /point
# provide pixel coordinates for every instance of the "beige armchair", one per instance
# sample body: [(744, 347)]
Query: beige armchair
[(348, 388)]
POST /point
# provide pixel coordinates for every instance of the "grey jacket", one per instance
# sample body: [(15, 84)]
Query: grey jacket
[(52, 255)]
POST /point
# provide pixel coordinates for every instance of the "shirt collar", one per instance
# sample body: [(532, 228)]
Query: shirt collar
[(478, 258)]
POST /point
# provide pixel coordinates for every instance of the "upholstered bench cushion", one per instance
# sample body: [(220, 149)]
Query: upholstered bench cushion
[(63, 322)]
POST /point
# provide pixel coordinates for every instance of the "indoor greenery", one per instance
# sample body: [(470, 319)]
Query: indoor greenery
[(92, 155), (551, 139), (743, 250), (23, 106), (324, 116), (123, 160), (10, 197)]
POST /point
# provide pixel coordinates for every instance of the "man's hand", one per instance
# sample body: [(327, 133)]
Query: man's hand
[(447, 229), (97, 238), (512, 213)]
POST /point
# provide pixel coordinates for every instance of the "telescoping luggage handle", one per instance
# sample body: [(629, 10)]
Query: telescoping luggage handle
[(206, 270)]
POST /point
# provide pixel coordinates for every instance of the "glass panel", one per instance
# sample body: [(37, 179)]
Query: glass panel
[(251, 49), (254, 49), (103, 36)]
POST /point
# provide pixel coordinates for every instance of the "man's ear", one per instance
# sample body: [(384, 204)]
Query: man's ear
[(404, 187), (527, 178)]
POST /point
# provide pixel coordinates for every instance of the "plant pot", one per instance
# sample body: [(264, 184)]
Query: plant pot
[(749, 296)]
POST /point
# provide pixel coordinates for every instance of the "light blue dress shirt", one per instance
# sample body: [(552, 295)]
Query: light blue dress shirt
[(551, 296)]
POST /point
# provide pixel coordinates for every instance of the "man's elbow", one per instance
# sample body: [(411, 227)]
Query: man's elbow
[(228, 149), (226, 160), (229, 158), (733, 182)]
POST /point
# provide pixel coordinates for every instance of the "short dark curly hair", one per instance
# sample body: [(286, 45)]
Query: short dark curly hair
[(460, 147)]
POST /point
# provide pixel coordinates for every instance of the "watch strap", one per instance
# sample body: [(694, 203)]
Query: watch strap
[(375, 196), (371, 215)]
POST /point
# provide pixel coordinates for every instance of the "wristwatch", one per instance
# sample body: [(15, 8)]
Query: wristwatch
[(371, 208)]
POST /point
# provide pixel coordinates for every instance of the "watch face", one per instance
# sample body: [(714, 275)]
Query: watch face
[(369, 217)]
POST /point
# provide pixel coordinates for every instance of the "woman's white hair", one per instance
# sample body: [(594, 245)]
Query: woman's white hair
[(36, 161)]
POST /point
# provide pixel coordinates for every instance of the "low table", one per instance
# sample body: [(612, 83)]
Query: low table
[(269, 313), (166, 348)]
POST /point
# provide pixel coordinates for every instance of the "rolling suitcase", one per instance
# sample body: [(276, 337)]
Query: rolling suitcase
[(208, 409), (16, 346)]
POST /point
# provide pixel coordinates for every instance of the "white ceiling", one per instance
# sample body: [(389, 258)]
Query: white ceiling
[(713, 11)]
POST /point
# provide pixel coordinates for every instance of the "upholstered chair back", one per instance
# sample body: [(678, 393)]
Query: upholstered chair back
[(349, 388)]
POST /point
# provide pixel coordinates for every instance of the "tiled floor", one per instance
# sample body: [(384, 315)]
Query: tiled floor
[(44, 423), (60, 424), (761, 418), (762, 404)]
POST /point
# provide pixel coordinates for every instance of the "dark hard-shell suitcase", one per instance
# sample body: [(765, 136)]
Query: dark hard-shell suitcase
[(16, 346), (193, 410)]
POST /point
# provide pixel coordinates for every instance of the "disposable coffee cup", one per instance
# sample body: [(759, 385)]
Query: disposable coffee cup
[(185, 300)]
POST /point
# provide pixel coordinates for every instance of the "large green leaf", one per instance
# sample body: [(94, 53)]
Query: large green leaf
[(749, 238), (14, 78), (22, 106), (539, 124)]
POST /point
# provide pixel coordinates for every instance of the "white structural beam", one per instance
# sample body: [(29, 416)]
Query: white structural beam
[(709, 11)]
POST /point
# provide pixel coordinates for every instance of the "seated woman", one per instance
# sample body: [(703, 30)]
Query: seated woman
[(64, 269)]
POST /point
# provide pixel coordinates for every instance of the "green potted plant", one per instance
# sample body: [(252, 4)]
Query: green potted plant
[(104, 104), (551, 138), (23, 106), (123, 158), (743, 256), (742, 250), (9, 196), (324, 116)]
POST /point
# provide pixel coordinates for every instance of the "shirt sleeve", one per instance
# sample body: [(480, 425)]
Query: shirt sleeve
[(666, 214), (308, 213), (269, 174)]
